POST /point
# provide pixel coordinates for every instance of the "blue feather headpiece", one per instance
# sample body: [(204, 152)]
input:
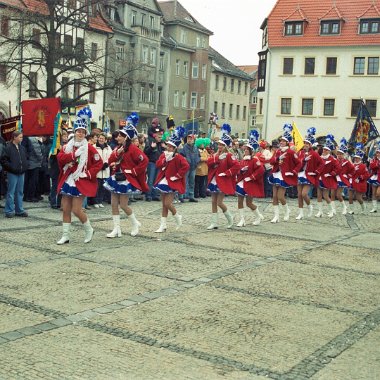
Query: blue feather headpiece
[(359, 150), (253, 142), (133, 119), (82, 121), (329, 144), (287, 135), (177, 136), (310, 136), (343, 146), (226, 138), (226, 128)]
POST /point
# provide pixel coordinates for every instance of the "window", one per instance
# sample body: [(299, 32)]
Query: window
[(330, 27), (153, 56), (371, 106), (133, 18), (309, 66), (216, 82), (261, 106), (151, 94), (373, 66), (232, 85), (331, 65), (237, 112), (33, 84), (224, 83), (76, 89), (286, 106), (145, 54), (92, 93), (230, 112), (79, 51), (68, 43), (159, 94), (120, 52), (36, 38), (176, 98), (183, 37), (223, 110), (359, 63), (117, 94), (177, 62), (328, 107), (152, 22), (245, 88), (94, 51), (142, 94), (244, 112), (288, 66), (195, 70), (3, 73), (4, 28), (194, 100), (184, 99), (203, 43), (294, 28), (198, 41), (307, 106), (216, 107), (202, 102), (355, 104), (162, 63), (370, 26), (143, 19), (239, 86), (204, 72), (253, 121), (130, 93), (186, 69)]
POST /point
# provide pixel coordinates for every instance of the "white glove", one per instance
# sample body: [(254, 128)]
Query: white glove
[(222, 156), (288, 174), (311, 173), (174, 178), (357, 180), (307, 158), (222, 175), (244, 168), (282, 156), (128, 171), (247, 179), (79, 151), (246, 158), (83, 175), (328, 175)]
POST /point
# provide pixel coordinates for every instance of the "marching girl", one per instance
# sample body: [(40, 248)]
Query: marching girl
[(222, 170), (344, 173), (171, 177), (286, 166), (326, 173), (374, 181), (307, 177), (250, 180), (79, 163), (128, 167), (359, 180)]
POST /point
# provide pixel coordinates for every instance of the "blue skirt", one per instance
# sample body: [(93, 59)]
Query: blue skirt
[(374, 180), (302, 180), (240, 189), (213, 187), (276, 179), (163, 186), (69, 188), (120, 187)]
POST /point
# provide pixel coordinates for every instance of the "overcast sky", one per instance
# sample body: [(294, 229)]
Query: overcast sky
[(235, 24)]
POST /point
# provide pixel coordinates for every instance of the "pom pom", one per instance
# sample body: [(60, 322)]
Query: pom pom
[(254, 134), (226, 128), (312, 131), (287, 128), (343, 141), (133, 118), (205, 142), (85, 113), (359, 146), (179, 132), (330, 137)]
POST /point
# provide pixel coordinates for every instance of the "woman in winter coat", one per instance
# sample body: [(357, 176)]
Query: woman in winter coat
[(79, 163), (128, 165), (171, 178)]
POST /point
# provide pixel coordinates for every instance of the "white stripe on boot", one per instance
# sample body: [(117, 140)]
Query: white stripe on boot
[(116, 232)]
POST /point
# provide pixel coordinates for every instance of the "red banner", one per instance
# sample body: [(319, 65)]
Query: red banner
[(38, 116), (8, 126)]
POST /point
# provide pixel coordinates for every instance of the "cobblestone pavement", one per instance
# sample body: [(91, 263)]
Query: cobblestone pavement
[(296, 300)]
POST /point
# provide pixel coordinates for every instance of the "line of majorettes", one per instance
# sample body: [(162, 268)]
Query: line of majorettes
[(79, 163)]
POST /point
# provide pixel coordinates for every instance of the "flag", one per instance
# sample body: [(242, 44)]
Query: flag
[(57, 135), (364, 129), (297, 137), (8, 126), (39, 115)]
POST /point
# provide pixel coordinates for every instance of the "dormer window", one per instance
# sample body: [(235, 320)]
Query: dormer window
[(370, 26), (294, 28), (330, 27)]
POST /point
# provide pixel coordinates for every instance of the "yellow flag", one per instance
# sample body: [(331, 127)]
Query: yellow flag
[(297, 137)]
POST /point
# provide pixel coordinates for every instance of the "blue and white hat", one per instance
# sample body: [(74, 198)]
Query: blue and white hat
[(177, 136), (226, 138), (130, 130), (378, 147), (82, 121), (287, 135), (253, 141), (133, 119), (343, 148), (329, 144), (310, 136), (359, 150)]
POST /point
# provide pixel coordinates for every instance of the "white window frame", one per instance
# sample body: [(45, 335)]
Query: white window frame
[(204, 71), (194, 100), (195, 70), (176, 99)]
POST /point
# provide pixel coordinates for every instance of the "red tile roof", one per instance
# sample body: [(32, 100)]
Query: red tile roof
[(312, 12)]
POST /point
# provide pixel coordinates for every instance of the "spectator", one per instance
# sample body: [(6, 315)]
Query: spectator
[(264, 155), (15, 162), (236, 151), (43, 177), (201, 173), (2, 147), (113, 143), (32, 174)]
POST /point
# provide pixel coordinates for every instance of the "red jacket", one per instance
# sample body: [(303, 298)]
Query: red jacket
[(87, 186), (359, 178), (177, 167), (327, 172), (375, 167), (310, 165), (255, 171), (136, 161), (286, 162), (229, 166), (345, 171)]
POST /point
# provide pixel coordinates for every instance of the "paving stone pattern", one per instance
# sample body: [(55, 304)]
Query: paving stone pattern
[(291, 301)]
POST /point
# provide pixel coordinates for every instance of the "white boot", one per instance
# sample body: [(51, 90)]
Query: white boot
[(363, 208), (310, 211), (65, 234), (287, 212), (88, 231), (214, 221), (344, 208), (276, 218), (242, 219), (333, 207), (230, 219), (178, 220), (258, 217), (135, 225), (162, 227), (330, 214), (116, 232), (300, 214), (350, 209), (319, 214), (374, 206)]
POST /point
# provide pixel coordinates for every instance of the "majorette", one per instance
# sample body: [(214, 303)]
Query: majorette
[(374, 181)]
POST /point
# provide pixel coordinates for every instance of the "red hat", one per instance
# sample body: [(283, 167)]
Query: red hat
[(263, 144)]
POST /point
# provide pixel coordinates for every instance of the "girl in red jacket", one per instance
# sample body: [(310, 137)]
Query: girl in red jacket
[(359, 180), (250, 180), (344, 173), (374, 181), (128, 176), (286, 166), (79, 163), (326, 173), (171, 177), (222, 170), (307, 177)]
